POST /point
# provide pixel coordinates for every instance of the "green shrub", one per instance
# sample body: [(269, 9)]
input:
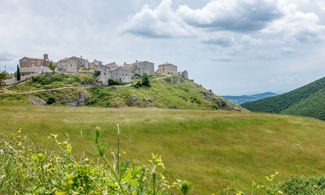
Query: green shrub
[(96, 73), (27, 168), (46, 79), (50, 100), (114, 82), (304, 185), (145, 80)]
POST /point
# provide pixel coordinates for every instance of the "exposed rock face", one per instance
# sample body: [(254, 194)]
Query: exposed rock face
[(174, 79), (134, 101), (38, 101), (183, 74), (222, 104), (80, 99)]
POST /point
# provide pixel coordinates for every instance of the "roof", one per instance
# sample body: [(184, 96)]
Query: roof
[(73, 58), (139, 62), (31, 58)]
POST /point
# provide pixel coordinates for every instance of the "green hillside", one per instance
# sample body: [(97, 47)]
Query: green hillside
[(305, 101), (165, 91), (213, 150)]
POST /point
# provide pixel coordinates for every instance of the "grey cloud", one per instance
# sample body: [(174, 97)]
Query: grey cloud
[(232, 15), (6, 57), (222, 41)]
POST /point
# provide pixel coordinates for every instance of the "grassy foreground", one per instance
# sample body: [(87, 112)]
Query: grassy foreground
[(211, 149)]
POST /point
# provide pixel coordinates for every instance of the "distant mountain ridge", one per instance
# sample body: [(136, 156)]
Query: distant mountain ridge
[(308, 100), (248, 98)]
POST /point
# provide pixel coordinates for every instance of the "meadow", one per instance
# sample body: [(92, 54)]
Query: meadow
[(212, 150)]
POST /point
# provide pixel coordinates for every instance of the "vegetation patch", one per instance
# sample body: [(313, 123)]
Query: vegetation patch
[(26, 168)]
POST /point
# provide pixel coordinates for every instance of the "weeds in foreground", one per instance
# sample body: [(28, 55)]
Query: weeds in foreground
[(269, 187), (25, 168)]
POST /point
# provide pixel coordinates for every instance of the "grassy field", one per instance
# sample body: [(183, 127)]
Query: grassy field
[(211, 149)]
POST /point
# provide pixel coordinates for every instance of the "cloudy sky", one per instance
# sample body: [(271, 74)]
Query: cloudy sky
[(230, 46)]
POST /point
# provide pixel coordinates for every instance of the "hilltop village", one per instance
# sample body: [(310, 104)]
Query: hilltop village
[(29, 67)]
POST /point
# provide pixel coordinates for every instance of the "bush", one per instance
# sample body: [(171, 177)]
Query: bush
[(114, 82), (46, 79), (3, 76), (137, 85), (96, 73), (304, 185), (50, 100), (27, 168), (145, 80)]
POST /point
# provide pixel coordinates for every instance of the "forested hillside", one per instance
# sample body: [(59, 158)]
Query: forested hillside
[(304, 101)]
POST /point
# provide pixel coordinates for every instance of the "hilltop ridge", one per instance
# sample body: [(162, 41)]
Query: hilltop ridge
[(165, 91)]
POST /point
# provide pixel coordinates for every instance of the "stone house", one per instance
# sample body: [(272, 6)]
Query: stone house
[(97, 62), (73, 65), (167, 68), (105, 74), (138, 68), (30, 65), (118, 73), (121, 74), (112, 65)]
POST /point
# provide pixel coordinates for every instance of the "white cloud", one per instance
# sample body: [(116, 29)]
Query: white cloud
[(161, 22), (296, 24), (287, 50)]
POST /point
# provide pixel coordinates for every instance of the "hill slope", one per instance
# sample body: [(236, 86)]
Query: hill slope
[(248, 98), (305, 101), (212, 150), (165, 91)]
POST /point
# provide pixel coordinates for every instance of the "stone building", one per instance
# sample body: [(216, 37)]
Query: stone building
[(30, 65), (97, 62), (138, 68), (112, 65), (121, 74), (118, 73), (73, 65), (167, 68), (105, 74)]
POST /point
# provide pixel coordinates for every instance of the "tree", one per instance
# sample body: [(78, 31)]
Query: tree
[(3, 76), (145, 80), (52, 66), (18, 73)]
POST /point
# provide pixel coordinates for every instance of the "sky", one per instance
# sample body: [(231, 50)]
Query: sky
[(233, 47)]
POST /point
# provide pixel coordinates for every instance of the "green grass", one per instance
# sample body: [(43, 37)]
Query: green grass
[(304, 101), (211, 149), (49, 81), (161, 93)]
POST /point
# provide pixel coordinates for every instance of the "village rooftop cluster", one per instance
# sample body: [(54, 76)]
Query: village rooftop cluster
[(78, 65)]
